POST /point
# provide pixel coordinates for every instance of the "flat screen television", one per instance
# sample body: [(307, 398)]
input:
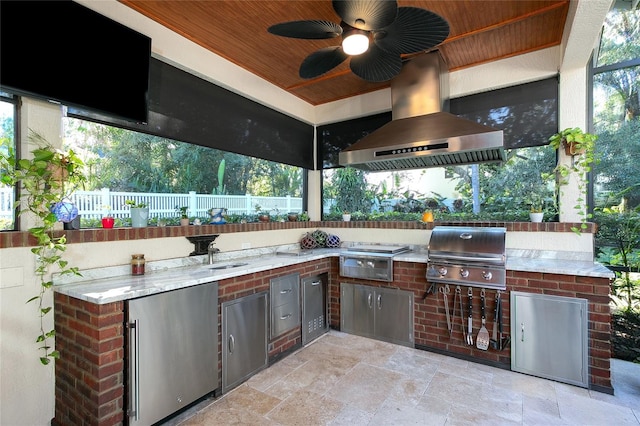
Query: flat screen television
[(67, 53)]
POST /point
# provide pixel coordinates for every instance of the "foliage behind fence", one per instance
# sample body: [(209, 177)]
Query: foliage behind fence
[(96, 204)]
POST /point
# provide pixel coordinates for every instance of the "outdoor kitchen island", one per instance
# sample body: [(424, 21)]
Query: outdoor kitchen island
[(89, 317)]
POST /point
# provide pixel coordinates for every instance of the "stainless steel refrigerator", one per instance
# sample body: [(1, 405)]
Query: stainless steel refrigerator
[(172, 351)]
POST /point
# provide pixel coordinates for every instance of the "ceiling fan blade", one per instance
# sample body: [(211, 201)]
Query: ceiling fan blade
[(366, 14), (414, 30), (306, 29), (376, 65), (321, 61)]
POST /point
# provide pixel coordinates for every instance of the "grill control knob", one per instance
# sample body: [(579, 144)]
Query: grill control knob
[(442, 271), (487, 275), (464, 273)]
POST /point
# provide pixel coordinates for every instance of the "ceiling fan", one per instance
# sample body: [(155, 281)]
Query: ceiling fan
[(374, 34)]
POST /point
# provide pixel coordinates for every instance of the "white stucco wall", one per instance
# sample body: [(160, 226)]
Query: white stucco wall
[(27, 387)]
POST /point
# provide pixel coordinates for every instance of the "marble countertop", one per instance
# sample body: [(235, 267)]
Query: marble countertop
[(107, 285)]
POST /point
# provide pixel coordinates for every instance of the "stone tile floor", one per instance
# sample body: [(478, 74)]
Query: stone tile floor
[(341, 379)]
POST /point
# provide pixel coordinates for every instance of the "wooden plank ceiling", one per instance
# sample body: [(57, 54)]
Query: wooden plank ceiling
[(481, 31)]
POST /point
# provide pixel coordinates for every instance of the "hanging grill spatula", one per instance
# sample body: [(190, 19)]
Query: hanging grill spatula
[(470, 318), (482, 340)]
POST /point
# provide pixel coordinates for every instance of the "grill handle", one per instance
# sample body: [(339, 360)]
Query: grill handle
[(466, 258)]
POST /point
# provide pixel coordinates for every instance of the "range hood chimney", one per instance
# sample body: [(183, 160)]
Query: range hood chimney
[(421, 134)]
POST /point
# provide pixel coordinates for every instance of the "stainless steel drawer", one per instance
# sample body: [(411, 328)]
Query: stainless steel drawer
[(284, 304), (285, 289), (284, 318)]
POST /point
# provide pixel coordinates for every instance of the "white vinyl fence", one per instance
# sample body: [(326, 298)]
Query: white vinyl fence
[(95, 204)]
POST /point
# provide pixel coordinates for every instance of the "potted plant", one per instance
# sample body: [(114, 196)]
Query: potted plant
[(292, 216), (139, 213), (346, 216), (46, 180), (536, 204), (184, 217), (262, 216), (107, 219), (582, 148), (574, 141)]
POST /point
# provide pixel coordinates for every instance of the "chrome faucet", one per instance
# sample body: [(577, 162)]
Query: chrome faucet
[(212, 250)]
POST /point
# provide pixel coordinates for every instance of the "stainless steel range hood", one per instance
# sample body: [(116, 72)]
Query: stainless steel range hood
[(422, 134)]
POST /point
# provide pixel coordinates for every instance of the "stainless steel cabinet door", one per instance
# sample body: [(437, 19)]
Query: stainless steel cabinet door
[(363, 312), (356, 309), (173, 351), (394, 316), (549, 337), (315, 307), (244, 338), (379, 313)]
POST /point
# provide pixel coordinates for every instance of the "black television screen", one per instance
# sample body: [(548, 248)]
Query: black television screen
[(67, 53)]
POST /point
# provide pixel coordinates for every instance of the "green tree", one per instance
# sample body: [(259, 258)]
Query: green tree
[(351, 191), (507, 188), (620, 43)]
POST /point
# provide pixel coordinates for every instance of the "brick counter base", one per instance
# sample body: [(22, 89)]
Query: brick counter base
[(430, 321), (89, 385), (89, 376)]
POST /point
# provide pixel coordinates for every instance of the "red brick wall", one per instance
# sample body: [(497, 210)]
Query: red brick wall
[(89, 385), (430, 322)]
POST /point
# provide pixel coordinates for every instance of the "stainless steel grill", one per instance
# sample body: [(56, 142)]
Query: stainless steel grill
[(467, 256), (373, 261)]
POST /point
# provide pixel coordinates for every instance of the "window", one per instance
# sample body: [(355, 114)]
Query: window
[(616, 111), (526, 113), (166, 174), (7, 141)]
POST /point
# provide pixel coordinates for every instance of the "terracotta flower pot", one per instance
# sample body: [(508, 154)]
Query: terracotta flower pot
[(571, 148), (107, 222)]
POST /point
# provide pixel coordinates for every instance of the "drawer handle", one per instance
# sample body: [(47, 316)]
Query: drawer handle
[(284, 317), (286, 291)]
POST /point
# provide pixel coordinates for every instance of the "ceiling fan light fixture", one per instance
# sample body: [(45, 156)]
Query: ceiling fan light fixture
[(355, 42)]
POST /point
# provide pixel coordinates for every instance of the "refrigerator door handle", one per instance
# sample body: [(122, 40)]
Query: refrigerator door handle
[(134, 345)]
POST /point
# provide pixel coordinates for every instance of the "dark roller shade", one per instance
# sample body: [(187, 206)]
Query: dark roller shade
[(527, 113), (187, 108), (333, 138)]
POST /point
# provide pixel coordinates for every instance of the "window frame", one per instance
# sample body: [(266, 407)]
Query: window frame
[(17, 102)]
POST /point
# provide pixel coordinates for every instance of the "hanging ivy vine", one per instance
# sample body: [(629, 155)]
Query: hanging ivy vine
[(44, 182)]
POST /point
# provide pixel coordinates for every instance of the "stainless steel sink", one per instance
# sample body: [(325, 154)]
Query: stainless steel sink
[(229, 266)]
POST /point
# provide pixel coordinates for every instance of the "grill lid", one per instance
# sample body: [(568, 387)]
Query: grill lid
[(379, 248), (468, 244)]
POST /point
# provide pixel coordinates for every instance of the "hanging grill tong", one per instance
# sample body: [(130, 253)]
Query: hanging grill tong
[(445, 290)]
